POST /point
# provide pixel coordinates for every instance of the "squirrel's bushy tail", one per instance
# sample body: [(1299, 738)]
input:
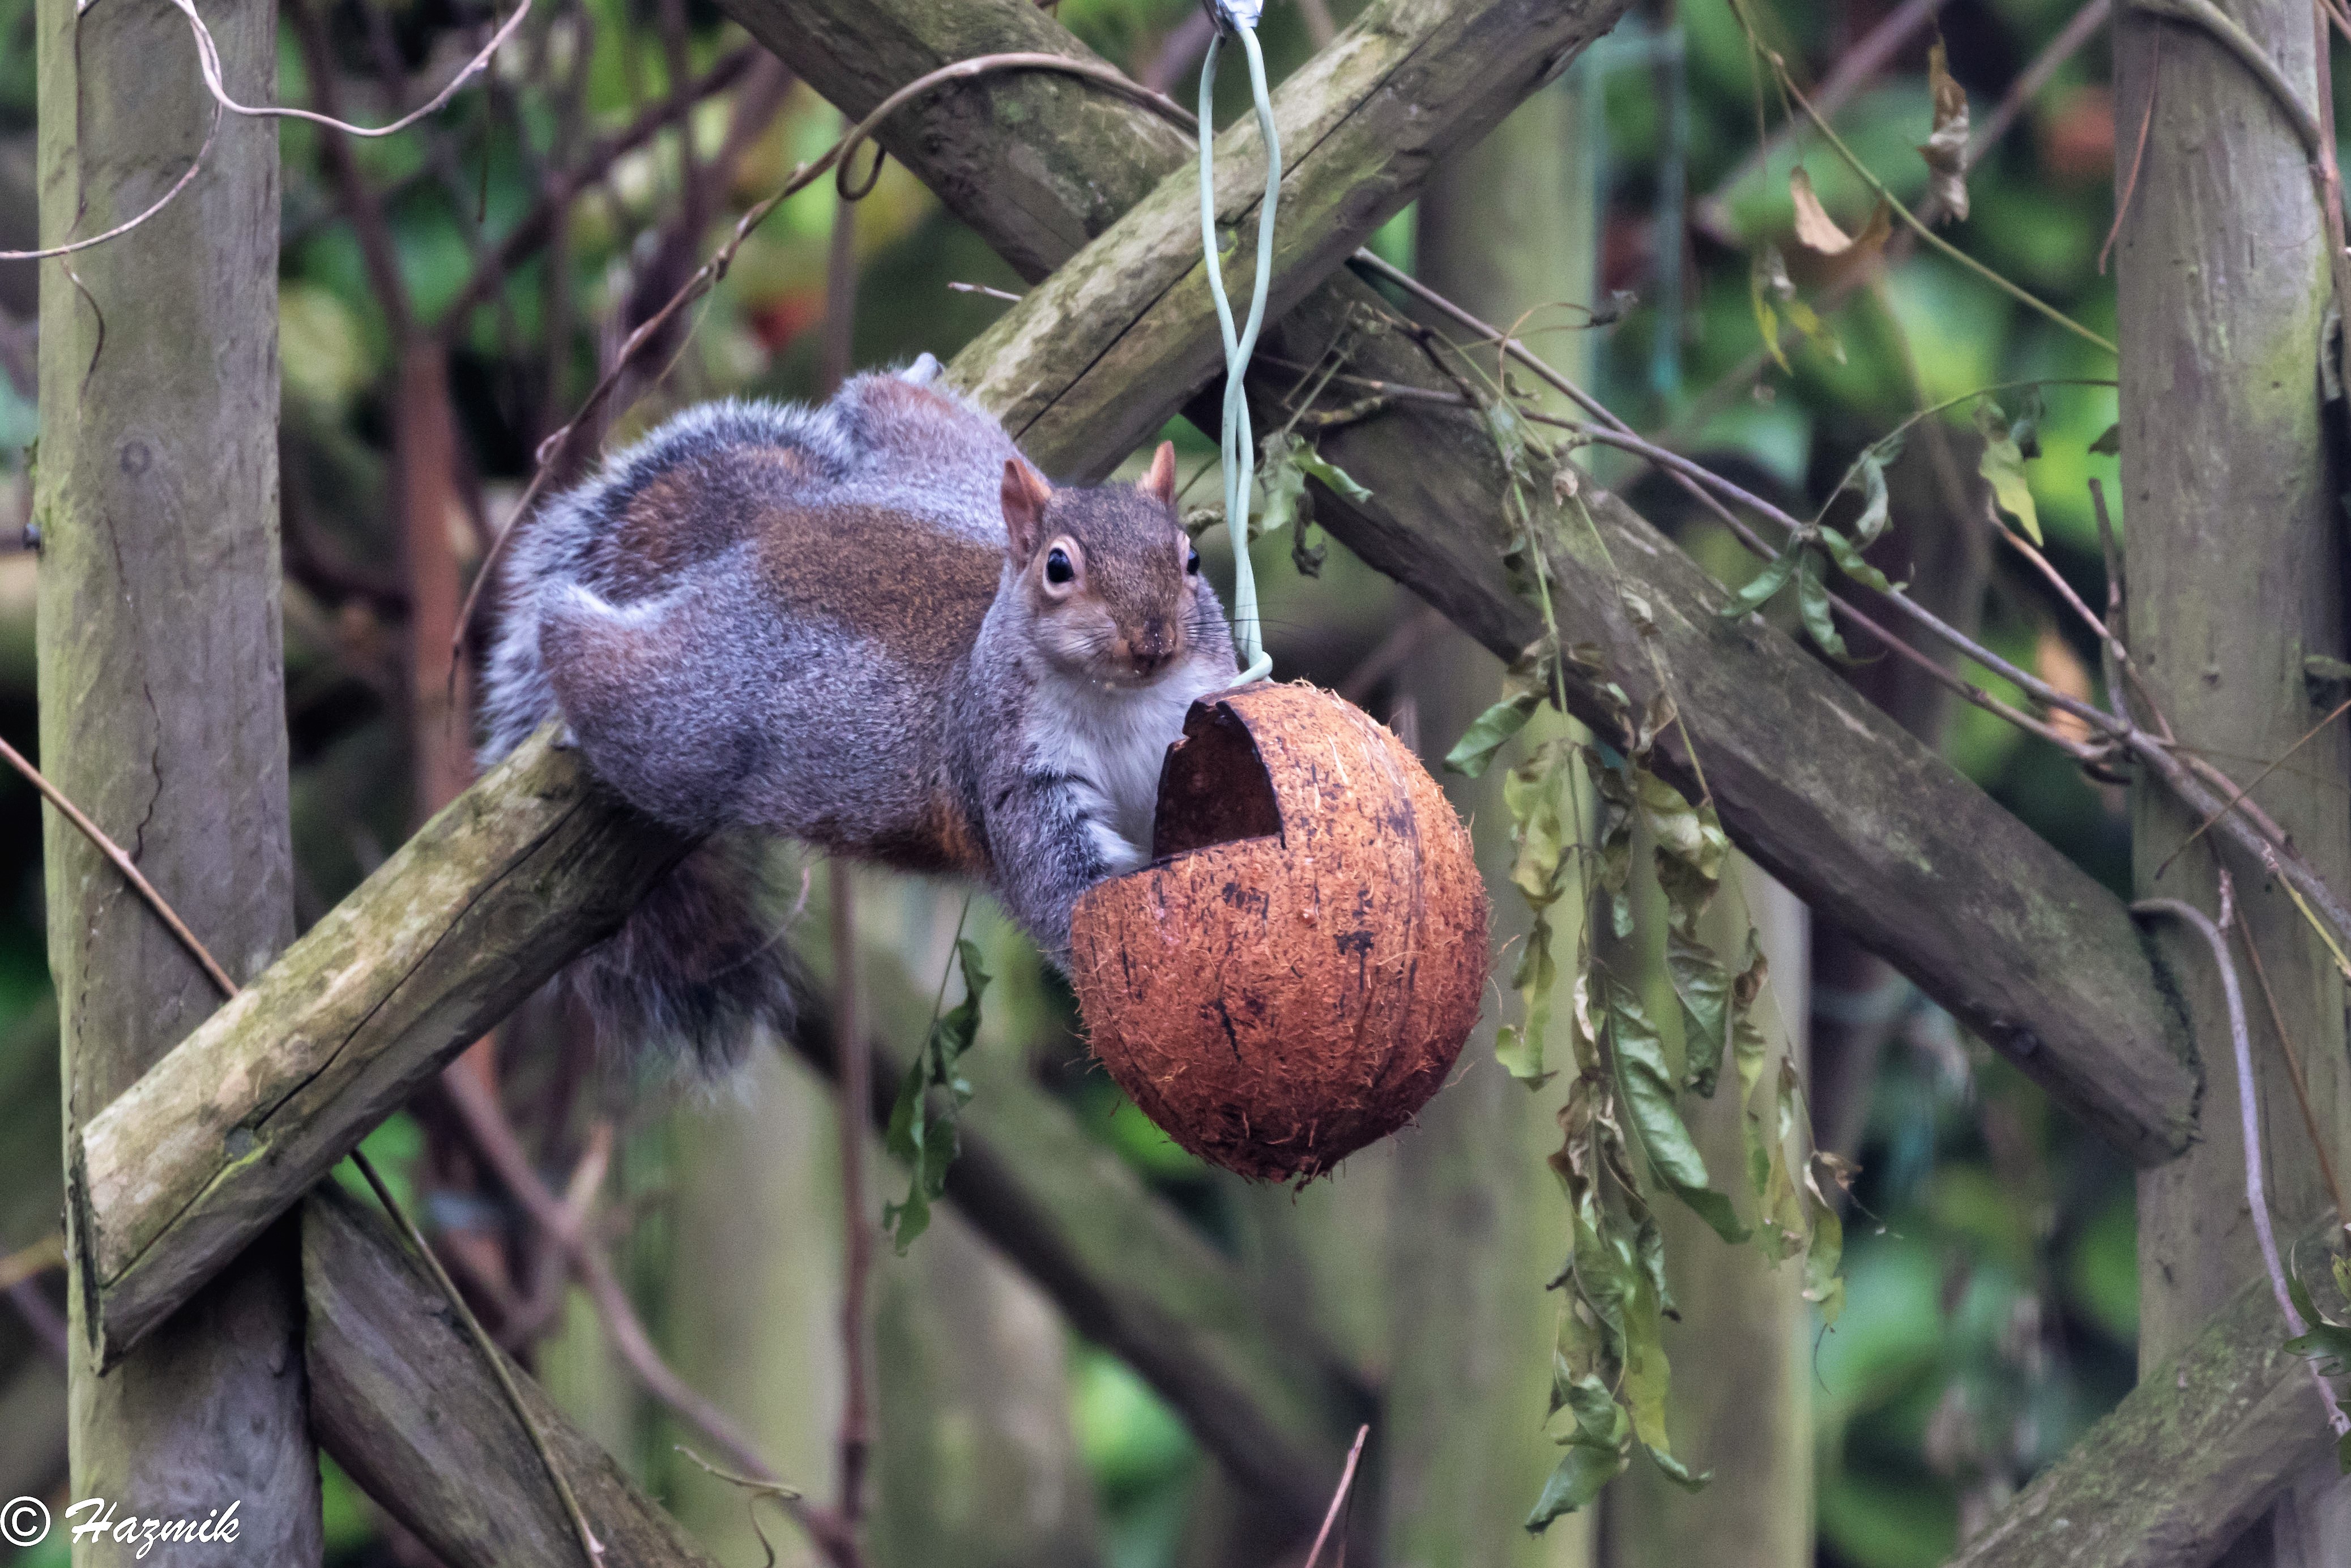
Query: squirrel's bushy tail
[(700, 962)]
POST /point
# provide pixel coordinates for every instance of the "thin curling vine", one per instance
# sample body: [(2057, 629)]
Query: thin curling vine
[(1624, 1139)]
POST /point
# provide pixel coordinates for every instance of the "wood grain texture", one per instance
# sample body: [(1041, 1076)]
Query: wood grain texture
[(1866, 824), (162, 703), (402, 1399), (2234, 560), (489, 899)]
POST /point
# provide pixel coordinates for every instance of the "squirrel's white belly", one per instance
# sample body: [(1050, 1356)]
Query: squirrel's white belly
[(1116, 738)]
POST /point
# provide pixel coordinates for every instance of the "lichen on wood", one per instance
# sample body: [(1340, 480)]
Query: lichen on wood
[(489, 899)]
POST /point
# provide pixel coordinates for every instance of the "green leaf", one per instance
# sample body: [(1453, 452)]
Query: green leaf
[(1648, 1093), (1583, 1470), (1474, 752), (929, 1145), (2109, 443), (1649, 1251), (1512, 438), (1519, 1047), (1703, 987), (1677, 1472), (1813, 599), (1282, 485), (1749, 1050), (1289, 462), (1764, 586), (1598, 1417), (1536, 795), (1784, 1223), (1850, 561), (1616, 813), (1524, 686), (2299, 1295), (2329, 1344), (1602, 1276), (2002, 465), (1317, 466), (1824, 1251), (1648, 1376), (1876, 505), (1690, 848), (1767, 272)]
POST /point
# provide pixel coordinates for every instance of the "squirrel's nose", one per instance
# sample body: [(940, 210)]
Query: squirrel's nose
[(1152, 646)]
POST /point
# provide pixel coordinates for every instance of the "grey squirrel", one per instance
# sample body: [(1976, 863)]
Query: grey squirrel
[(873, 626)]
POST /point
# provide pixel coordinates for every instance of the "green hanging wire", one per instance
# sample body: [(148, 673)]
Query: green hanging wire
[(1240, 17)]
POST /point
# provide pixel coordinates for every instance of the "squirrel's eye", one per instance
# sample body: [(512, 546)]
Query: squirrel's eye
[(1058, 568), (1192, 563)]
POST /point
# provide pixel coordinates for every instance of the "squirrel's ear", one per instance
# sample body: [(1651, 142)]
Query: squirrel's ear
[(1025, 495), (1160, 483)]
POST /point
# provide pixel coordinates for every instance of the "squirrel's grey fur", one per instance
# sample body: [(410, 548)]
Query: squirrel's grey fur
[(816, 622)]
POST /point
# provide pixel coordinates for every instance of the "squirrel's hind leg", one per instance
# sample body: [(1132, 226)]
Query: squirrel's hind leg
[(660, 704)]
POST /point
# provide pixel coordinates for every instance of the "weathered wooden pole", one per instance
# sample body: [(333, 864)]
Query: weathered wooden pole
[(1477, 1224), (162, 703), (2233, 563)]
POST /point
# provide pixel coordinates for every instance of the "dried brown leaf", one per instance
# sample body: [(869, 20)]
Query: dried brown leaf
[(1946, 149), (1814, 228)]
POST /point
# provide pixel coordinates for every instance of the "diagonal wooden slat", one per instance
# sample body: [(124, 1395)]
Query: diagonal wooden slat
[(489, 899), (1869, 826), (401, 1396)]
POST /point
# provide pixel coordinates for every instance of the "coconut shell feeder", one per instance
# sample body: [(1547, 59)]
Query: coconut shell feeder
[(1293, 974)]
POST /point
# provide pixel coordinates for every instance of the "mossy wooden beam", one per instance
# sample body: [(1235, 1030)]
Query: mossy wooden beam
[(490, 898), (401, 1398), (1107, 349), (2198, 1450), (1869, 826)]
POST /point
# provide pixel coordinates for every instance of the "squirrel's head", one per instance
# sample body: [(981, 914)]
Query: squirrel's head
[(1106, 572)]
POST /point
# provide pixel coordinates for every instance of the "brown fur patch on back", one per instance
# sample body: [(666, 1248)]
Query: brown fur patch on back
[(921, 593), (694, 512)]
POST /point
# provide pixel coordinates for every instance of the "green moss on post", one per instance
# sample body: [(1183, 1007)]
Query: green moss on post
[(162, 703)]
